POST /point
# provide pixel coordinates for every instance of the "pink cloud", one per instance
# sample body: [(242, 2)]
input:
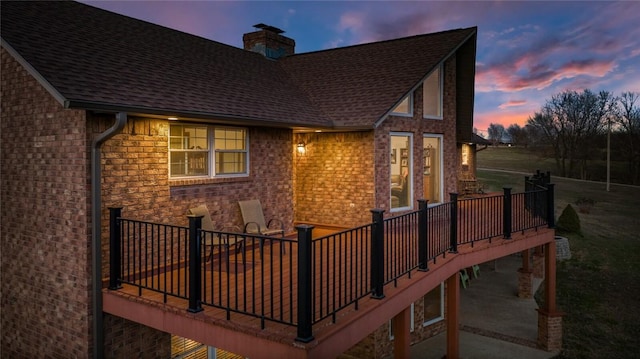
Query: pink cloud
[(512, 103), (540, 76)]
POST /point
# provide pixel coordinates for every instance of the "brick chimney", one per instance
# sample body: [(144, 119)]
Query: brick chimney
[(269, 42)]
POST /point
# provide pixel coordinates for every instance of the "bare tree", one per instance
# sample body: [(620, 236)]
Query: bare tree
[(495, 132), (569, 123), (518, 135), (627, 117)]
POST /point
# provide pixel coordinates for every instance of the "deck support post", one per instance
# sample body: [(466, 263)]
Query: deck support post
[(402, 334), (423, 236), (506, 213), (453, 232), (453, 316), (377, 254), (195, 259), (549, 318), (114, 248), (305, 288)]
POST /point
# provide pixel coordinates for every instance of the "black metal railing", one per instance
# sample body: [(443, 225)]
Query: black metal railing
[(303, 281)]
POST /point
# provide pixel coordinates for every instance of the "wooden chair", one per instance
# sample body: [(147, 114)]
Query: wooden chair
[(217, 239)]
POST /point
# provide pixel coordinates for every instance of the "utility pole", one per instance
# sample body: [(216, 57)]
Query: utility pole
[(608, 152)]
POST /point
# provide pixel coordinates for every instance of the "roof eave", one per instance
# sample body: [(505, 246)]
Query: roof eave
[(163, 113)]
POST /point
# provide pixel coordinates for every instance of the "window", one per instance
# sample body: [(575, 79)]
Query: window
[(401, 171), (432, 94), (433, 308), (432, 168), (191, 155), (404, 108)]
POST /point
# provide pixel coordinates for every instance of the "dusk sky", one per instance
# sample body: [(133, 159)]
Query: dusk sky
[(527, 50)]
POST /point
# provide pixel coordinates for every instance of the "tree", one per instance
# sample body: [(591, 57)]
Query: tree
[(569, 123), (627, 117), (518, 135), (495, 132)]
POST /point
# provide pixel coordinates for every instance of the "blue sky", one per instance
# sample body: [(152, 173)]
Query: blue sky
[(527, 50)]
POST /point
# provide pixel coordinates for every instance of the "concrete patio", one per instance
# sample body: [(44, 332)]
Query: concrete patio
[(495, 323)]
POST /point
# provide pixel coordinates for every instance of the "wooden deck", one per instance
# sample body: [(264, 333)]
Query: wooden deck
[(266, 286)]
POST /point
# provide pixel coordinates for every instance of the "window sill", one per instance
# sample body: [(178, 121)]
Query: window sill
[(206, 181)]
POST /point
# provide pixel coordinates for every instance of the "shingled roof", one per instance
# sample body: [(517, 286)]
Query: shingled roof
[(98, 60)]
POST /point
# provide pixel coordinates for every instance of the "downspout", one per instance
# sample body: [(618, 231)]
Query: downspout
[(96, 229)]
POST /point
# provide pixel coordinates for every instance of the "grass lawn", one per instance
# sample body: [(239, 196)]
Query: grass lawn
[(599, 287)]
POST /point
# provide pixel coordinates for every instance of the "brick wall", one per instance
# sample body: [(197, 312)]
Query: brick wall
[(45, 287), (334, 178), (126, 339)]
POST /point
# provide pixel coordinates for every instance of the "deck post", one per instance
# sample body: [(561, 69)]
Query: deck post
[(423, 233), (506, 213), (305, 289), (195, 284), (453, 232), (551, 216), (114, 248), (377, 254)]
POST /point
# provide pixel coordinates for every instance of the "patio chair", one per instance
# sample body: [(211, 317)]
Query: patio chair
[(464, 278), (217, 239), (254, 222)]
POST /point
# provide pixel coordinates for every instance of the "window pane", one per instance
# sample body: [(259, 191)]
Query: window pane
[(433, 304), (432, 168), (432, 95), (230, 139), (230, 162), (183, 163), (400, 165), (403, 107)]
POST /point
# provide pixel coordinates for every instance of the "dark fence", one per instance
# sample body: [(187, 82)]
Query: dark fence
[(303, 281)]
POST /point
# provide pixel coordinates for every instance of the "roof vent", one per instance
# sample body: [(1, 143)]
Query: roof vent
[(269, 42)]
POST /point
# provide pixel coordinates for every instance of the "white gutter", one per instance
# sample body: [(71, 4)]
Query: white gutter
[(96, 229)]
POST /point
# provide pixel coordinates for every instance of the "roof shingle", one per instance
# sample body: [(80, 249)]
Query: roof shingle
[(96, 59)]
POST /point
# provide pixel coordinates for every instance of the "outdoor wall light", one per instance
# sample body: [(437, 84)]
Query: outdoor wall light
[(172, 118), (301, 148)]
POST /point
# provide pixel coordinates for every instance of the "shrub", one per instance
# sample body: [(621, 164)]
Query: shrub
[(569, 221)]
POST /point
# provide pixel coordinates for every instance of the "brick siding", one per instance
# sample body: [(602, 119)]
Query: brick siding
[(45, 246)]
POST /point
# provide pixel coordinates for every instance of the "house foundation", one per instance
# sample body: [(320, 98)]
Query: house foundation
[(549, 330)]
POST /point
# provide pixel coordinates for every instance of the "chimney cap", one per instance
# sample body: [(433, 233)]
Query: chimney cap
[(268, 28)]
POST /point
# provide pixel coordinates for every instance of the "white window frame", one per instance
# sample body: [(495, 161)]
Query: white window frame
[(410, 175), (211, 153), (439, 69), (391, 337), (409, 99), (439, 318)]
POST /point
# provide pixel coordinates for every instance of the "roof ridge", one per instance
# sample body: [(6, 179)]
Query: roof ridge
[(399, 39)]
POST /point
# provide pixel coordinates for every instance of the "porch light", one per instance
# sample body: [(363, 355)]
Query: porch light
[(302, 148), (172, 118)]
